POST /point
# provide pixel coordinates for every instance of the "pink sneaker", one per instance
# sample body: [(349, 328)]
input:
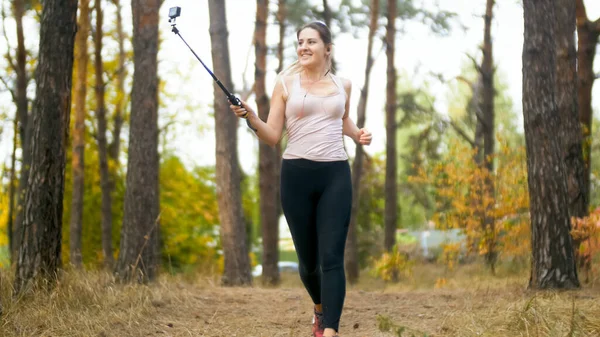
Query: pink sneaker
[(318, 324)]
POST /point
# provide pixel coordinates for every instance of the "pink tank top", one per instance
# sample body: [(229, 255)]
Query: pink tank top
[(314, 123)]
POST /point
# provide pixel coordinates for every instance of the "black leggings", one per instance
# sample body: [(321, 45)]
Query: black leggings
[(316, 198)]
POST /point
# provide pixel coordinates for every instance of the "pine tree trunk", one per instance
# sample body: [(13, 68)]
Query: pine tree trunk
[(24, 120), (267, 157), (40, 248), (114, 147), (391, 192), (139, 256), (281, 18), (78, 159), (12, 189), (566, 89), (351, 253), (105, 183), (553, 264), (233, 231), (327, 17), (587, 40), (489, 136)]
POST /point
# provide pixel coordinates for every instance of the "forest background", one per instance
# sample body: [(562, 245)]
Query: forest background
[(431, 165)]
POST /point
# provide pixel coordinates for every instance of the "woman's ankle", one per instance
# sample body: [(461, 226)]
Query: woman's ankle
[(329, 333)]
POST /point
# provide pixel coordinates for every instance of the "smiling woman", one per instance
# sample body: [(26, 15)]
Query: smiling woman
[(316, 191)]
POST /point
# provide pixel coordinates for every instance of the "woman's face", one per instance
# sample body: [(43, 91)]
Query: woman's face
[(311, 48)]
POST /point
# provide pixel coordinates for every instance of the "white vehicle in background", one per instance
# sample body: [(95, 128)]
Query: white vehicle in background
[(284, 266)]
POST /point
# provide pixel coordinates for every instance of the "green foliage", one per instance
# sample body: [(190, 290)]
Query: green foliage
[(464, 202), (4, 201), (595, 165), (426, 136), (420, 136), (392, 264), (251, 207), (369, 222), (462, 107), (92, 207), (189, 216), (439, 21)]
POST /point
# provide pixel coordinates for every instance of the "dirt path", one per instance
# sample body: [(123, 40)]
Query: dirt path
[(92, 305), (254, 312)]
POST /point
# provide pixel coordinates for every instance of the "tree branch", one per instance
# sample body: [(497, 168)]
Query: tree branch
[(111, 75), (596, 26), (461, 132), (8, 55), (475, 92), (246, 93), (463, 79), (475, 63), (12, 93)]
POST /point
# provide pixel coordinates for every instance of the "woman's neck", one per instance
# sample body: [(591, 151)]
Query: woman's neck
[(314, 75)]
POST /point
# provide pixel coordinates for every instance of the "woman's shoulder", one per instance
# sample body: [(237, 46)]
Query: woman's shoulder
[(284, 84), (346, 83), (287, 79)]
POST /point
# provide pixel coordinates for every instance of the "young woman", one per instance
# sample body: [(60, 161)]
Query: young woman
[(316, 189)]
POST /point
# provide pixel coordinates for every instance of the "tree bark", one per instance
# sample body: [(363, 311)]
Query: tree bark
[(281, 18), (78, 159), (351, 258), (25, 124), (40, 248), (553, 264), (489, 136), (391, 170), (327, 17), (139, 255), (115, 145), (12, 189), (267, 156), (566, 89), (587, 40), (105, 183), (233, 232)]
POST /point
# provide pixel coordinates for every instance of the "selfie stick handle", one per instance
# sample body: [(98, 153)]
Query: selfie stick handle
[(231, 97)]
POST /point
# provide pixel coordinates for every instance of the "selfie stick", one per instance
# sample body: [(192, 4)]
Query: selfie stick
[(174, 12)]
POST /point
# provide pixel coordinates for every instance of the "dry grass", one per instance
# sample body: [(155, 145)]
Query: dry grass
[(472, 303)]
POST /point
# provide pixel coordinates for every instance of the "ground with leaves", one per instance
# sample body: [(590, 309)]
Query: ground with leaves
[(91, 304)]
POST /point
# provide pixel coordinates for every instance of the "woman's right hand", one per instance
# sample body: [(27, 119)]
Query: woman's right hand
[(243, 111)]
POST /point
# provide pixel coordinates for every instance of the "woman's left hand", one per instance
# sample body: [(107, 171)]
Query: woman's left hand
[(364, 137)]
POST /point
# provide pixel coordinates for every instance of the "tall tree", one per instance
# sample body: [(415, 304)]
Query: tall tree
[(351, 252), (139, 250), (40, 246), (11, 188), (587, 40), (233, 232), (25, 122), (105, 183), (78, 159), (114, 147), (489, 135), (267, 156), (552, 264), (391, 170), (327, 17), (566, 98), (281, 19)]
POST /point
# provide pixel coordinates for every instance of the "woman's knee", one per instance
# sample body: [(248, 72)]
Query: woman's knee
[(331, 261)]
